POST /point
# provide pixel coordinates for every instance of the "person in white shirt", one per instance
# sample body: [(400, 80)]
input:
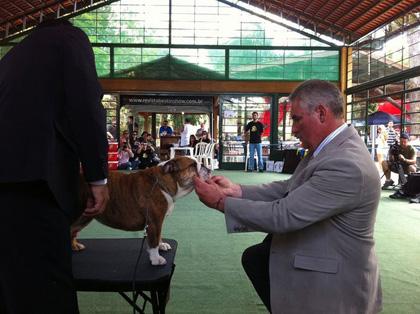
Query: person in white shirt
[(186, 132)]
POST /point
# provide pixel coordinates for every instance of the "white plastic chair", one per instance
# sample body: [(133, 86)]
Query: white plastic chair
[(200, 151), (208, 158)]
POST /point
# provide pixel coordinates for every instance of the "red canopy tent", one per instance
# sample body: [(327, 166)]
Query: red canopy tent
[(266, 118), (390, 108)]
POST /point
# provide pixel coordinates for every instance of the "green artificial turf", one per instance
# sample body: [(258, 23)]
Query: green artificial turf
[(209, 278)]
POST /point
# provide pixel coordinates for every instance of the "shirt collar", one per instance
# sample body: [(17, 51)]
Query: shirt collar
[(329, 138)]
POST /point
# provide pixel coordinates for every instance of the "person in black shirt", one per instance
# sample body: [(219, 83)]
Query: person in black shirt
[(255, 128)]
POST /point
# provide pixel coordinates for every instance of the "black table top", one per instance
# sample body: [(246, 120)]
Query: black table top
[(108, 265)]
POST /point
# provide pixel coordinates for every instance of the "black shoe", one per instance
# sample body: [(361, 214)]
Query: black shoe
[(397, 195), (260, 170), (387, 184), (415, 200), (249, 170)]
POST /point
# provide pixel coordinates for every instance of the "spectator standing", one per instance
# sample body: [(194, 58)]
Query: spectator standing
[(48, 77), (186, 132), (112, 130), (255, 129), (200, 130), (165, 129), (130, 124), (392, 134), (382, 141)]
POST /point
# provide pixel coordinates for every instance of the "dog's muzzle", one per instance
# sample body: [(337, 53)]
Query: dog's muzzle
[(204, 172)]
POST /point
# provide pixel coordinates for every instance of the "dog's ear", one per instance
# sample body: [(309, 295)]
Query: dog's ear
[(170, 166)]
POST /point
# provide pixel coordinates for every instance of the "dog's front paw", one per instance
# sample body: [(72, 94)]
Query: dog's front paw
[(77, 246), (164, 246), (158, 260)]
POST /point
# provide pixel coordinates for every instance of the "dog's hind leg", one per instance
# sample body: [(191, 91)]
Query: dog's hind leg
[(153, 239), (78, 225)]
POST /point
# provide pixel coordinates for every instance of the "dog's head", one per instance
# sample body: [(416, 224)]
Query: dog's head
[(182, 170)]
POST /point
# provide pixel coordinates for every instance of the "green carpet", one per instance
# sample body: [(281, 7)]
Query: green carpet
[(209, 278)]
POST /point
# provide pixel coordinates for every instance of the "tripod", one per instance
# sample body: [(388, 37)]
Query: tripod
[(401, 175), (395, 166)]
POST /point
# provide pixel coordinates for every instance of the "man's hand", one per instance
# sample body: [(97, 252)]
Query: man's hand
[(209, 193), (97, 201), (229, 188), (214, 191), (401, 158)]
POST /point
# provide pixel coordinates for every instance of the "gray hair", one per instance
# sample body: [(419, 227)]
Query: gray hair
[(316, 92)]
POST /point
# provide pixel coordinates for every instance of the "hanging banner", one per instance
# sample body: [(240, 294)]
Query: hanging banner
[(174, 104)]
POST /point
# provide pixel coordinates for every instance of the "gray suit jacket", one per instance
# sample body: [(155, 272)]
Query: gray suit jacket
[(322, 254)]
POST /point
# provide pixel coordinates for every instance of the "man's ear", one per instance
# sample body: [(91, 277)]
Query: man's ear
[(321, 110)]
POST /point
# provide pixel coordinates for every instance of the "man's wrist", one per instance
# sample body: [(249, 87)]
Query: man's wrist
[(237, 191), (220, 205)]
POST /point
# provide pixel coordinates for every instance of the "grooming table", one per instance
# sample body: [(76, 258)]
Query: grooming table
[(107, 265)]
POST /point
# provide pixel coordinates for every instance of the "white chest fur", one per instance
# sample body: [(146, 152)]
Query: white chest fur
[(170, 202)]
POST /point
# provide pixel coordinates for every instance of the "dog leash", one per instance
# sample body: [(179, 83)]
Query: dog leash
[(146, 225)]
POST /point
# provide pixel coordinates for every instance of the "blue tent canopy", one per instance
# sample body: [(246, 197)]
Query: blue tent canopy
[(381, 117)]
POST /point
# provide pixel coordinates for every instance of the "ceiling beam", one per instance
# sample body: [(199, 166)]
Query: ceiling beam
[(310, 18), (30, 12), (408, 9), (6, 11), (336, 9), (318, 6), (358, 20), (29, 4)]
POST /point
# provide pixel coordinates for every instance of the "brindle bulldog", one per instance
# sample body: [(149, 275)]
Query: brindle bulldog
[(143, 199)]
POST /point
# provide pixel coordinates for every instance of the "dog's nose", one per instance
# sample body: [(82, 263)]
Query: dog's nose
[(205, 172)]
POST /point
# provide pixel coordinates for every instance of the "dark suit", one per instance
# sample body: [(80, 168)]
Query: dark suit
[(50, 97)]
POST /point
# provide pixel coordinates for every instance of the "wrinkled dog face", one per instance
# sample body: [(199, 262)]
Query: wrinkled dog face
[(185, 168)]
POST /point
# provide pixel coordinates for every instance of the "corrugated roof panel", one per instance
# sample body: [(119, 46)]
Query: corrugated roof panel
[(341, 19)]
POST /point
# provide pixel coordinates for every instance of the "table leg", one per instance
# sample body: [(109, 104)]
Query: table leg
[(155, 302)]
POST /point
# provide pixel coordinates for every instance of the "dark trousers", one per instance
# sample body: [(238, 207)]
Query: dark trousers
[(255, 261), (35, 263)]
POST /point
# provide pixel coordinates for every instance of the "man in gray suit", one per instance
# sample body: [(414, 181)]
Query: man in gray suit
[(319, 256)]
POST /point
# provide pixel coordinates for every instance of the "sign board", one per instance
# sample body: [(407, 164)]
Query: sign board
[(173, 104)]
